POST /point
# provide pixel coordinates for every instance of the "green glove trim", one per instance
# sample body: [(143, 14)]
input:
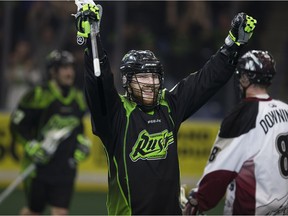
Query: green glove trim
[(83, 149), (83, 140), (37, 154), (250, 24), (93, 8), (242, 27), (32, 147), (88, 12), (233, 38), (79, 155)]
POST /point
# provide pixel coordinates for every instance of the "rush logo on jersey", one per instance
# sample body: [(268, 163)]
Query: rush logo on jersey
[(151, 146), (58, 122)]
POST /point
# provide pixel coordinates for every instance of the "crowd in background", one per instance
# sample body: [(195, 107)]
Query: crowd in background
[(182, 34)]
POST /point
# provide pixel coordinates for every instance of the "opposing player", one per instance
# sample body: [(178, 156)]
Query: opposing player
[(250, 156), (139, 129), (41, 114)]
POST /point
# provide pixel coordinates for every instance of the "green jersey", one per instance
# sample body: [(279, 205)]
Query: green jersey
[(141, 147), (41, 110)]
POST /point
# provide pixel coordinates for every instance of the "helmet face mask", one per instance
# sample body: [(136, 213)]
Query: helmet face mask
[(144, 88), (142, 78)]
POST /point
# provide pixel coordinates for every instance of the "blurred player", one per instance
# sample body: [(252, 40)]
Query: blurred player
[(139, 129), (249, 160), (42, 113)]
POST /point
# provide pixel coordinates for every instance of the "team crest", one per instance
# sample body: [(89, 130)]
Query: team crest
[(151, 146)]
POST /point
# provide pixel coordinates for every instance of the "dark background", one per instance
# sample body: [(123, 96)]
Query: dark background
[(182, 34)]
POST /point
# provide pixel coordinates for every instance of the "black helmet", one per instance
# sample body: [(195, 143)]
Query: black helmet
[(58, 58), (140, 61), (258, 65)]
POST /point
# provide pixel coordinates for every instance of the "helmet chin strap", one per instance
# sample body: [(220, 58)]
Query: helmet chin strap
[(243, 91)]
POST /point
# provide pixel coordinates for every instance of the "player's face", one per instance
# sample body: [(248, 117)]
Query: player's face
[(65, 75), (145, 87)]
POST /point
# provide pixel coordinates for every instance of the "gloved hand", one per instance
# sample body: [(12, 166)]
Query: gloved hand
[(191, 207), (182, 199), (87, 13), (242, 27), (38, 154), (83, 148), (42, 152)]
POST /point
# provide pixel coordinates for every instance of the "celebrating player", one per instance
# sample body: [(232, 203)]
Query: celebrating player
[(249, 158), (139, 129), (41, 114)]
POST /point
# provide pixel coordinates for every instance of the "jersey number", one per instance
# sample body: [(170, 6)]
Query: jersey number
[(282, 147), (213, 154)]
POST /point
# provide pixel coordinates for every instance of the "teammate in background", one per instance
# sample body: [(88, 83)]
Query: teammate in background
[(41, 114), (248, 161), (139, 129)]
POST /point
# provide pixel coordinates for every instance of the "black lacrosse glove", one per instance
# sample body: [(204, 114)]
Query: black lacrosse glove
[(242, 27), (37, 153), (83, 148), (87, 14)]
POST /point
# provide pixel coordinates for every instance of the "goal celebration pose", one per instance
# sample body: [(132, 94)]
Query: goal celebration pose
[(139, 129)]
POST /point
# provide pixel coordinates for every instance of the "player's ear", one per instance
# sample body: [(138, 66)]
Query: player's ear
[(244, 80)]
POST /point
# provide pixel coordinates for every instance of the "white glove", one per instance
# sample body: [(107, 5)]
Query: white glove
[(183, 200), (42, 152), (53, 138)]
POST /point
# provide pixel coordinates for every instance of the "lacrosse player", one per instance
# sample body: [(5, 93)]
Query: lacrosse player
[(249, 159), (139, 129), (38, 125)]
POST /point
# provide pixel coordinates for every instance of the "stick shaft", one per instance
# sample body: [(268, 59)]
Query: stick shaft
[(96, 64), (16, 182)]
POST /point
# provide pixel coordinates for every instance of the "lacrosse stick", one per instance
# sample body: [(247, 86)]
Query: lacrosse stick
[(50, 144), (94, 28), (96, 64), (16, 182)]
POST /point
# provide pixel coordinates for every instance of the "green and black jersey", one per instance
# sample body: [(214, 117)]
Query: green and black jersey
[(42, 109), (142, 147)]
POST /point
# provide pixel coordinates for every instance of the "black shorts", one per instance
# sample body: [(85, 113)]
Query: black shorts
[(39, 193)]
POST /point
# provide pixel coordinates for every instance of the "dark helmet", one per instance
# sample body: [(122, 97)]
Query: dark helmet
[(57, 58), (141, 61), (258, 65)]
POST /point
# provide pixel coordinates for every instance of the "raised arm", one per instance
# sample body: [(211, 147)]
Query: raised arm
[(195, 90), (101, 95)]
